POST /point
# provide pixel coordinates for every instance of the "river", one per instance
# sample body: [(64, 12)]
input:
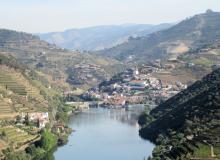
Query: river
[(103, 134)]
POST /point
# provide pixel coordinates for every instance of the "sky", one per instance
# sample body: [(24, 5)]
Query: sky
[(40, 16)]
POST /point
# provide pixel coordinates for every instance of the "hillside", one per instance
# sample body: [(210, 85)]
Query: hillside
[(186, 125), (188, 35), (28, 104), (58, 65), (22, 89), (99, 37)]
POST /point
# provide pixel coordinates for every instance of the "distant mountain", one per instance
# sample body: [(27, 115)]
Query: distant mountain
[(186, 125), (190, 34), (81, 70), (99, 37)]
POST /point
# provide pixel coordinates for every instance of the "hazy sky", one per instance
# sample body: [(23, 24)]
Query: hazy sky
[(58, 15)]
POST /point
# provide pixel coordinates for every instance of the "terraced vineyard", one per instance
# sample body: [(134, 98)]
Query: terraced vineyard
[(18, 94), (5, 108), (17, 83), (32, 91), (17, 136), (11, 84)]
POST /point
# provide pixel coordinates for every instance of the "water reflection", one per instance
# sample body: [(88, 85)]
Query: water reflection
[(126, 117), (105, 134)]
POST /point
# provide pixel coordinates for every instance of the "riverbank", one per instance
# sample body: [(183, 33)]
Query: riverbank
[(22, 133)]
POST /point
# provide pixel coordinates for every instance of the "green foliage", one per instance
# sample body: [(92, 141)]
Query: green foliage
[(62, 111), (62, 116), (203, 151), (63, 138), (10, 154), (26, 120), (36, 152), (11, 62), (48, 140), (192, 112), (145, 119), (3, 134)]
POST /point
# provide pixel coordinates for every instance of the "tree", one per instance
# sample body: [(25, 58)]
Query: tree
[(26, 120), (10, 154), (18, 118), (35, 152), (3, 134), (48, 140)]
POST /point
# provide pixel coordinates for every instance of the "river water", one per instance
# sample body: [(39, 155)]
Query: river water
[(103, 134)]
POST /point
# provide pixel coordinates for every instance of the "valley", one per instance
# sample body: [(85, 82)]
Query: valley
[(63, 98)]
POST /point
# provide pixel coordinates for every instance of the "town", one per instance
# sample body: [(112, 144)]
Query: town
[(136, 85)]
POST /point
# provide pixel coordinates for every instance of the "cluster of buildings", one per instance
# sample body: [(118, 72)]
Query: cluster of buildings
[(39, 118), (135, 85)]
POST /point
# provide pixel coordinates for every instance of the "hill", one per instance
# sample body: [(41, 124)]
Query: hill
[(188, 35), (28, 104), (22, 89), (187, 125), (99, 37), (58, 65)]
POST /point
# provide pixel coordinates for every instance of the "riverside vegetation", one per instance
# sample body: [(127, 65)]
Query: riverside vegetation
[(187, 126)]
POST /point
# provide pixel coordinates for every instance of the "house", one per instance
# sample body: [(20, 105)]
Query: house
[(139, 83), (126, 79), (42, 123), (117, 101), (137, 88), (180, 85), (41, 118), (190, 65), (58, 128), (142, 77), (116, 85), (154, 83), (136, 71), (167, 87), (173, 59), (120, 101), (169, 66), (38, 115)]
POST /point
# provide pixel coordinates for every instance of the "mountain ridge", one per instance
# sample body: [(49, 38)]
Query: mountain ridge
[(99, 37), (57, 62), (190, 34)]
